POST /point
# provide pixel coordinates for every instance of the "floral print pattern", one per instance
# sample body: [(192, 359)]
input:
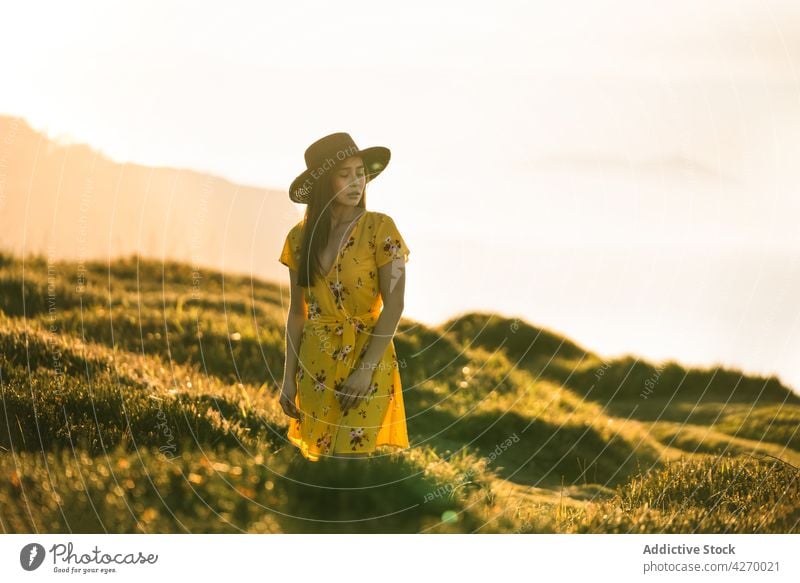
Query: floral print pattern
[(313, 309), (324, 442), (319, 381), (336, 305), (357, 437)]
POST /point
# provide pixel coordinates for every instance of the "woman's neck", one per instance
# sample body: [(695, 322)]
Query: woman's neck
[(342, 214)]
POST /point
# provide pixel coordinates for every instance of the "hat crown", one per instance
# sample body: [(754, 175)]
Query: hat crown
[(337, 147)]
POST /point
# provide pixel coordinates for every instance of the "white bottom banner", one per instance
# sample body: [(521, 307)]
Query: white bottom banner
[(389, 557)]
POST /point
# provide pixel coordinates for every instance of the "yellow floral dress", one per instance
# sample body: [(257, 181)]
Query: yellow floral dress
[(343, 308)]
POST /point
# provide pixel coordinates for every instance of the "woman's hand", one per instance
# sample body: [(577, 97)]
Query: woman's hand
[(288, 393), (354, 389)]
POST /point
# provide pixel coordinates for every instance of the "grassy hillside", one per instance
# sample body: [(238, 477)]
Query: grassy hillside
[(139, 397)]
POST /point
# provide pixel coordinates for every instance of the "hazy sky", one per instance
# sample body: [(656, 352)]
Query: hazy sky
[(622, 172)]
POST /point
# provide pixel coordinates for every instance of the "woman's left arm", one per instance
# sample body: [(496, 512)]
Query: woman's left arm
[(392, 282)]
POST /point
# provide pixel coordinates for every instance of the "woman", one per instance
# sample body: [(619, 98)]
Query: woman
[(341, 384)]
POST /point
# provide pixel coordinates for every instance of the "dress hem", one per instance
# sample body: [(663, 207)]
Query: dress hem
[(301, 445)]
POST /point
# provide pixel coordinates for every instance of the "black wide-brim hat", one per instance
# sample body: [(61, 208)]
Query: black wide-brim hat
[(326, 153)]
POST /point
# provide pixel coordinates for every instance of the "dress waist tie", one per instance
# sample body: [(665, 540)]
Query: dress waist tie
[(344, 350)]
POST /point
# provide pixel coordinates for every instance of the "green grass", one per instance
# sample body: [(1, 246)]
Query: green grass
[(139, 403), (711, 495)]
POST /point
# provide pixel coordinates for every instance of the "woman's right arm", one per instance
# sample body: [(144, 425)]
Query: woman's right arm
[(298, 311)]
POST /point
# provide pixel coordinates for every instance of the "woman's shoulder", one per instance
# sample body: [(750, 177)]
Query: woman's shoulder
[(374, 221), (378, 217), (297, 229), (383, 223)]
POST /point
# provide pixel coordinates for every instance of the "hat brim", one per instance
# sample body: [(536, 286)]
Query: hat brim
[(375, 158)]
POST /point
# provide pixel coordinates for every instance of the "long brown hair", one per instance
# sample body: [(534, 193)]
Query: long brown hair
[(317, 228)]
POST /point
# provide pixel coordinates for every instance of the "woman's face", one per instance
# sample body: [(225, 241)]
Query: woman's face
[(349, 181)]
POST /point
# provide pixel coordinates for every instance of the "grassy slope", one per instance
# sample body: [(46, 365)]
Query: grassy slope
[(156, 411)]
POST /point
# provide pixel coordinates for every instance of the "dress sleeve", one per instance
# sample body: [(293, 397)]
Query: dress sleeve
[(288, 254), (389, 243)]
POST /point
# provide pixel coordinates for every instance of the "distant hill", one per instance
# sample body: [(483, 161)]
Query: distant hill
[(69, 201), (143, 400)]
